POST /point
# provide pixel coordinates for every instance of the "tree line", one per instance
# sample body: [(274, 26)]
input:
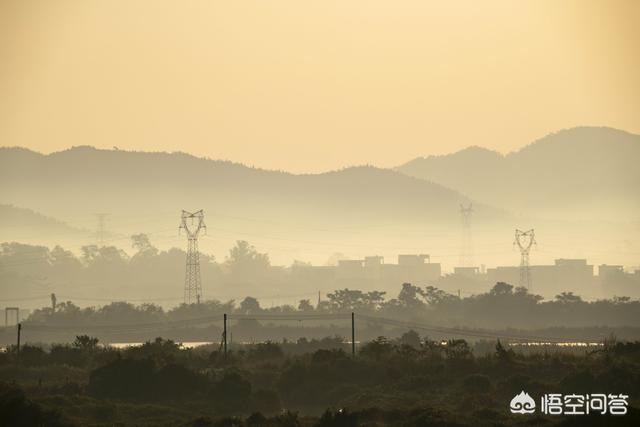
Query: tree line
[(410, 381), (500, 307)]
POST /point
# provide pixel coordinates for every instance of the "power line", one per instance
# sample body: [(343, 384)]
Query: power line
[(166, 325)]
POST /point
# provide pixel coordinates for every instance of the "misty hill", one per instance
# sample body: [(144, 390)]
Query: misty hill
[(584, 172), (24, 224), (90, 180)]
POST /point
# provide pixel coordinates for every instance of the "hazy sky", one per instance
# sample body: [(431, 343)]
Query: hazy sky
[(313, 85)]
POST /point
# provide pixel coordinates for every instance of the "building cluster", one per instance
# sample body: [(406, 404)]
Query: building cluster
[(564, 275), (372, 270), (569, 274)]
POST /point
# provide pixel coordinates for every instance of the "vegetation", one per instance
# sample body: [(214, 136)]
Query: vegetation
[(24, 268), (410, 381), (566, 317)]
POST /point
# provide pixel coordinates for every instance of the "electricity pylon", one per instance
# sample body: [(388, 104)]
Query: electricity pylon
[(466, 245), (101, 229), (192, 224), (525, 240)]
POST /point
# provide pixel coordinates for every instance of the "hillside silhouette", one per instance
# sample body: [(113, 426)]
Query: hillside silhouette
[(23, 224), (121, 181), (584, 172)]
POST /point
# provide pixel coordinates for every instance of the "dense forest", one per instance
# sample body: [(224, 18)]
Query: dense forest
[(409, 381)]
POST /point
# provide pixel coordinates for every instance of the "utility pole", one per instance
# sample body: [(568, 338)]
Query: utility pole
[(466, 241), (525, 240), (19, 329), (224, 335), (192, 224), (353, 335)]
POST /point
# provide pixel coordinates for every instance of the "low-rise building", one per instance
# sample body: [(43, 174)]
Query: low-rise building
[(564, 275)]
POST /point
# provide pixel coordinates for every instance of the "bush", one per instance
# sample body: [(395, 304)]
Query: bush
[(266, 401), (265, 351), (175, 381), (32, 356), (66, 355), (340, 418), (16, 410), (328, 356), (123, 379), (232, 392), (256, 420), (477, 383)]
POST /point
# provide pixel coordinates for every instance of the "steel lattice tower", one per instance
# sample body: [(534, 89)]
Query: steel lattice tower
[(525, 240), (101, 229), (466, 245), (192, 224)]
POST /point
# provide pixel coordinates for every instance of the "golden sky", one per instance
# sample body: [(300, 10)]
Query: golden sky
[(313, 85)]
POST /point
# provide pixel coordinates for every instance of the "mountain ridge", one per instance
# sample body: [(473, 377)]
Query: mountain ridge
[(584, 172), (102, 179)]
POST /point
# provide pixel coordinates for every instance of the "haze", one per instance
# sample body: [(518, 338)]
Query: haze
[(313, 86)]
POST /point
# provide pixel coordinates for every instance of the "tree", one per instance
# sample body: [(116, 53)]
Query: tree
[(142, 244), (245, 261), (410, 296), (345, 299), (305, 305), (232, 391), (250, 305), (373, 300), (64, 259), (85, 342), (122, 379), (340, 418), (107, 263), (376, 349), (265, 351), (435, 296), (501, 288), (504, 355), (568, 298), (458, 350), (410, 338)]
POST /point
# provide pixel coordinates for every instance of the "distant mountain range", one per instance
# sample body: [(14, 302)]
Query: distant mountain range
[(22, 224), (581, 173), (85, 179)]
